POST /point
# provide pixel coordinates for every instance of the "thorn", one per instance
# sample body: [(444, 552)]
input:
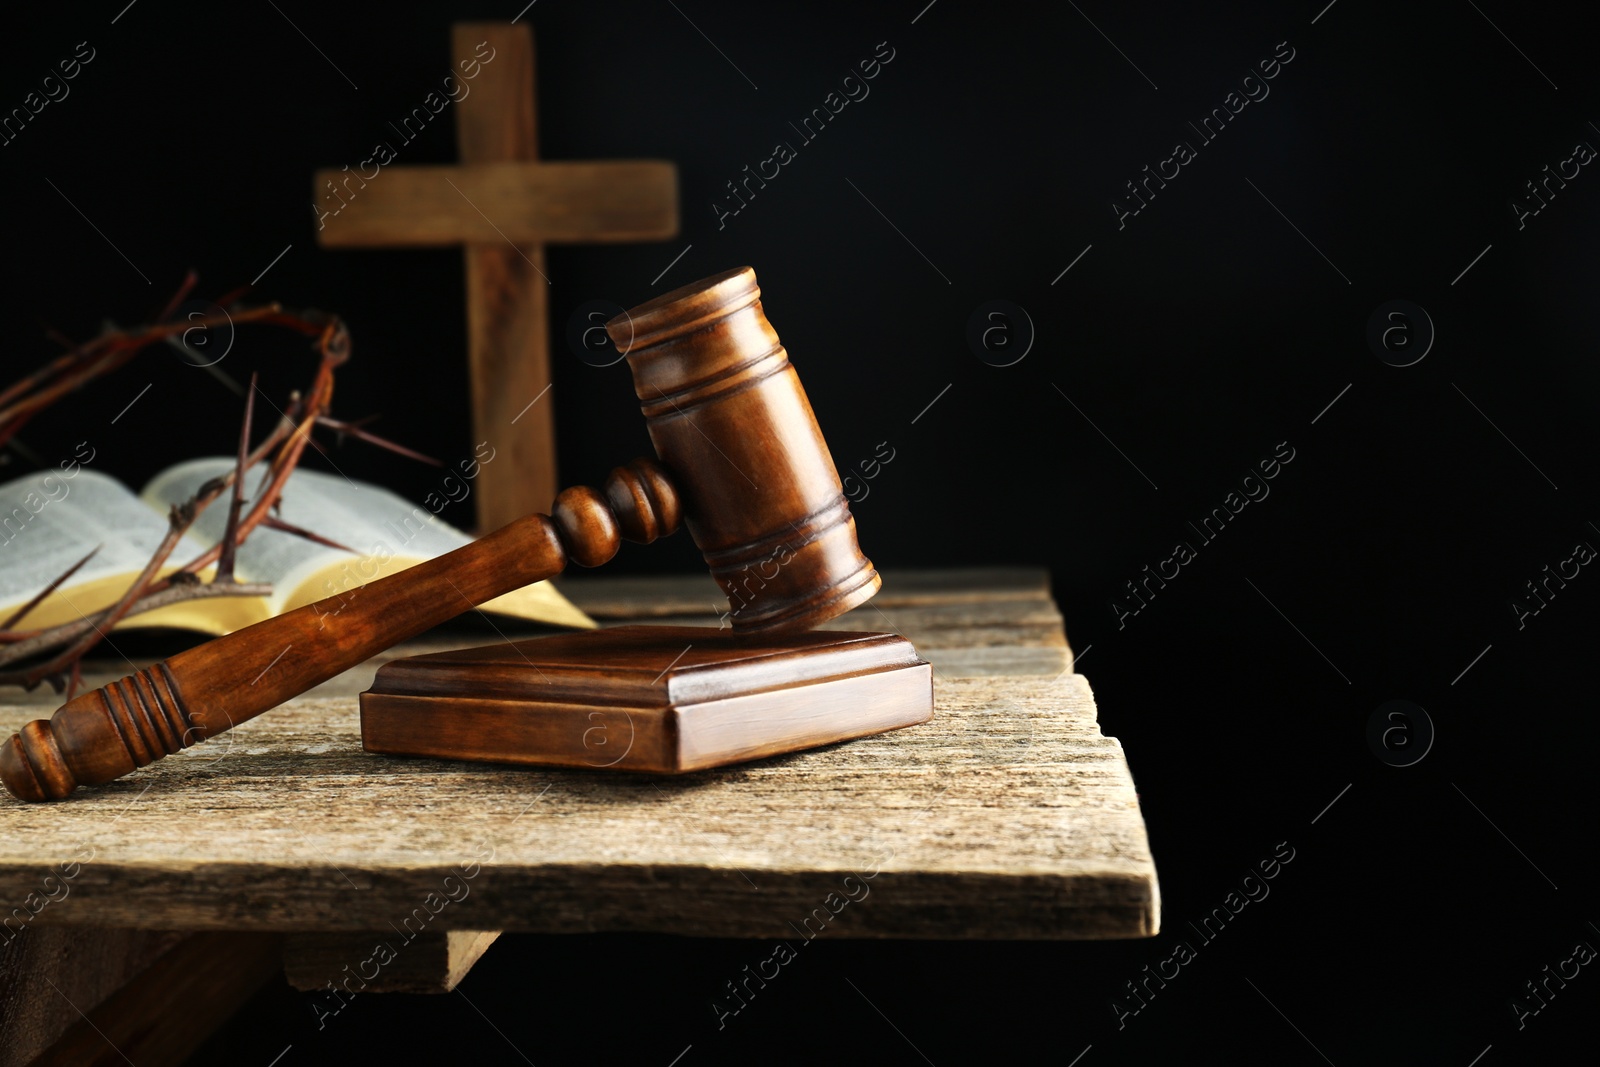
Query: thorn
[(47, 590), (182, 294), (357, 432), (275, 523)]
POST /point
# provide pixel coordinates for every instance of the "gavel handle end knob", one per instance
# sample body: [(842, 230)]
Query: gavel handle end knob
[(32, 766)]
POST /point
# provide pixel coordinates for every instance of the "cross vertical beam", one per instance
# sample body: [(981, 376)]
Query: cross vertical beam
[(508, 293)]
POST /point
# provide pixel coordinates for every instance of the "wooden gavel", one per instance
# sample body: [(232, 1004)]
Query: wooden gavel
[(741, 456)]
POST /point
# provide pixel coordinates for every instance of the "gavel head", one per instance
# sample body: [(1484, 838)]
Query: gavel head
[(729, 419)]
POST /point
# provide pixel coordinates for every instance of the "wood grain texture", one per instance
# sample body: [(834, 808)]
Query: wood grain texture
[(429, 963), (1007, 816), (493, 203)]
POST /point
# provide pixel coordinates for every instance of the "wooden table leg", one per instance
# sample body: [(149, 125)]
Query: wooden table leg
[(427, 963), (82, 995)]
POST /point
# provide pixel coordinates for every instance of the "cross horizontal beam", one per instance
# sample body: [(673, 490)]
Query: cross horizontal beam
[(490, 203)]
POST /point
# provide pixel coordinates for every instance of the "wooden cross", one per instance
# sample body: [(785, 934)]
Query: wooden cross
[(503, 206)]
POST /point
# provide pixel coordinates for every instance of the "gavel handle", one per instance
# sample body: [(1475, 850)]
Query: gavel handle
[(203, 691), (199, 693)]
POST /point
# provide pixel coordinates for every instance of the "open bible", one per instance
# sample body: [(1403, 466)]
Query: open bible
[(50, 521)]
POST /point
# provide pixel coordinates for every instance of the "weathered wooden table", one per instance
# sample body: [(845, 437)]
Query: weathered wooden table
[(283, 844)]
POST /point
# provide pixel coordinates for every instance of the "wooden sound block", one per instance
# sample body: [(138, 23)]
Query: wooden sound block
[(656, 699)]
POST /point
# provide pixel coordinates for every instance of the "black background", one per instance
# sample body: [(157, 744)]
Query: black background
[(1196, 339)]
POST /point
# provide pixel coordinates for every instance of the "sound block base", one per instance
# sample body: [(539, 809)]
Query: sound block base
[(652, 699)]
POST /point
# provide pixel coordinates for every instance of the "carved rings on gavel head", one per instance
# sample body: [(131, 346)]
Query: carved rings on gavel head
[(731, 423)]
